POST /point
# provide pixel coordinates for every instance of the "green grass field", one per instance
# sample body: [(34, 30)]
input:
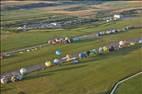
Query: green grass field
[(131, 86), (43, 54), (19, 40), (93, 75)]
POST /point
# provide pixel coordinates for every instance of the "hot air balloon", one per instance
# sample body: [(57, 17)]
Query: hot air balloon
[(23, 71), (48, 63), (58, 52)]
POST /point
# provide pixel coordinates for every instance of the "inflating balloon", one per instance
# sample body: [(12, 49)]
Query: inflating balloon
[(4, 80), (75, 61), (105, 49), (23, 71), (56, 61), (48, 63), (82, 55), (19, 77), (132, 43), (121, 42), (58, 52), (13, 79), (140, 41)]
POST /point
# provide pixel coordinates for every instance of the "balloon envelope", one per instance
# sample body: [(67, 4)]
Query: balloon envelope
[(3, 81), (58, 52), (105, 49), (140, 41), (56, 61), (23, 71), (132, 43), (48, 64), (19, 77), (75, 61), (121, 42)]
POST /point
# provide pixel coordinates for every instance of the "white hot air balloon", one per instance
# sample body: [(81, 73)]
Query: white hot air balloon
[(23, 71), (56, 61), (3, 80), (121, 42), (48, 63), (140, 41), (28, 50)]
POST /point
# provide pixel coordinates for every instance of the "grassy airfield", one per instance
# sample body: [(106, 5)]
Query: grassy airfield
[(130, 86), (94, 75)]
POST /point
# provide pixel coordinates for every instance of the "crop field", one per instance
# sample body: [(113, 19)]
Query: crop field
[(96, 74)]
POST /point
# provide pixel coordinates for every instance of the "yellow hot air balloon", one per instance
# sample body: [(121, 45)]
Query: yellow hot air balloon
[(68, 57), (132, 43), (48, 63), (105, 49)]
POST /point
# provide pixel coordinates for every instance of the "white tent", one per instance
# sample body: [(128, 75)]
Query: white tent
[(116, 16)]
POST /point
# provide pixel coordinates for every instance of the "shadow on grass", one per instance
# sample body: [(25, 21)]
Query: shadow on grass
[(5, 89), (105, 92), (52, 71)]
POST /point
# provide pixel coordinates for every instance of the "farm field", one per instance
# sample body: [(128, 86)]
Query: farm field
[(41, 21)]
